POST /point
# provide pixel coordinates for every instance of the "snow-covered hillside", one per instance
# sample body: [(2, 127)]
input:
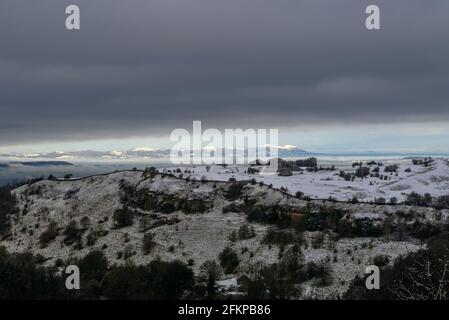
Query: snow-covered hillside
[(323, 184), (194, 221)]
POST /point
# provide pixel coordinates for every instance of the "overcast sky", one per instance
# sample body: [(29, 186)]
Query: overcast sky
[(138, 69)]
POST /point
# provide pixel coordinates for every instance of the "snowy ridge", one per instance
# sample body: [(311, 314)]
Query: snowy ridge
[(324, 184)]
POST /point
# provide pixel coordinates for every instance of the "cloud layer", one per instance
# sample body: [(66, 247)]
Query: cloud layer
[(147, 67)]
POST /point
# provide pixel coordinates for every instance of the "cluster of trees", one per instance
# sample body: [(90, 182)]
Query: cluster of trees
[(234, 190), (243, 233), (309, 162), (51, 177), (391, 168), (370, 163), (252, 170), (422, 275), (416, 199), (295, 165), (7, 209), (20, 183), (278, 236), (72, 233), (123, 218), (443, 202), (424, 162), (210, 271), (276, 281), (268, 281), (7, 205), (273, 281), (279, 280), (24, 278), (347, 176), (357, 164), (362, 172), (419, 200)]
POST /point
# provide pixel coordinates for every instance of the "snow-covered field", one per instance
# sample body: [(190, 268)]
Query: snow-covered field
[(433, 179)]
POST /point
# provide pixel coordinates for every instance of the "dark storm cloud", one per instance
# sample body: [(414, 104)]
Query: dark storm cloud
[(145, 67)]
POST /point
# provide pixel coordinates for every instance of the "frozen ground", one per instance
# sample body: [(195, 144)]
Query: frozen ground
[(199, 236), (324, 184)]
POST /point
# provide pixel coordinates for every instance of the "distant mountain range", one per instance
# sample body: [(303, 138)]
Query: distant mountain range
[(137, 153), (283, 151)]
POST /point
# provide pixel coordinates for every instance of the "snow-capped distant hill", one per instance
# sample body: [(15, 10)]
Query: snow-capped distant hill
[(141, 152), (94, 155)]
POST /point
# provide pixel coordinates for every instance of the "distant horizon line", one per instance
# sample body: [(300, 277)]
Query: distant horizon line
[(150, 153)]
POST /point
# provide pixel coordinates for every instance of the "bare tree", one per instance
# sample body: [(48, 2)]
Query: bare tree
[(422, 276), (211, 271)]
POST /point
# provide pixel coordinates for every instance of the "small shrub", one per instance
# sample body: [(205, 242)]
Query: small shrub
[(315, 221), (233, 236), (320, 272), (246, 232), (49, 234), (282, 237), (299, 194), (94, 265), (381, 260), (229, 260), (93, 236), (85, 222), (391, 168), (354, 200), (443, 202), (72, 233), (234, 191), (148, 243), (122, 218), (362, 172)]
